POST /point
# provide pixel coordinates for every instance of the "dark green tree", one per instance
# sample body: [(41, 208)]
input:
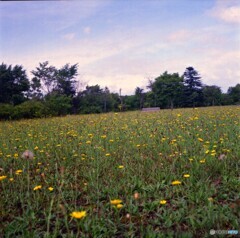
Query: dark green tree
[(14, 84), (168, 89), (193, 87), (212, 95), (66, 80), (91, 100), (45, 79), (35, 91), (57, 104), (234, 93), (139, 94)]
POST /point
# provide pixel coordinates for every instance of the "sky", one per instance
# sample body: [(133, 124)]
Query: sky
[(122, 44)]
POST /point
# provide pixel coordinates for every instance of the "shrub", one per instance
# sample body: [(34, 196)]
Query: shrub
[(29, 109), (6, 111)]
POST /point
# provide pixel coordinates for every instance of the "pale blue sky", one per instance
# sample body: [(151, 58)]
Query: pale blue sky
[(124, 43)]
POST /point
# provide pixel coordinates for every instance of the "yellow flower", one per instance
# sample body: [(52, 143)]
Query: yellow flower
[(116, 201), (2, 177), (162, 202), (36, 148), (186, 175), (78, 215), (120, 166), (119, 206), (107, 154), (178, 114), (50, 188), (202, 161), (11, 179), (200, 139), (18, 171), (37, 187), (176, 182)]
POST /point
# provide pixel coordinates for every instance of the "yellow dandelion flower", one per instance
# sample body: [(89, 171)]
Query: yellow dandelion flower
[(202, 161), (186, 175), (120, 166), (119, 206), (11, 179), (78, 215), (162, 202), (18, 171), (176, 182), (36, 148), (116, 201), (2, 177), (37, 187), (107, 154), (50, 189), (200, 139)]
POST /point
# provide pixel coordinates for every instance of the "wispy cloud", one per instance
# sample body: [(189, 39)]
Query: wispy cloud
[(227, 11), (179, 36), (69, 36), (87, 30)]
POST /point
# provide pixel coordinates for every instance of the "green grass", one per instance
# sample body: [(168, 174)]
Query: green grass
[(79, 156)]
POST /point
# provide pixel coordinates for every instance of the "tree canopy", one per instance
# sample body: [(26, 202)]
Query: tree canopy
[(53, 91)]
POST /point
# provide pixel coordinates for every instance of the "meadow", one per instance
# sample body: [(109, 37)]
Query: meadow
[(134, 174)]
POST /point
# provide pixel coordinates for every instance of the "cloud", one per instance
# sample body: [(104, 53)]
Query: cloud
[(179, 36), (87, 30), (69, 36), (57, 15), (226, 11)]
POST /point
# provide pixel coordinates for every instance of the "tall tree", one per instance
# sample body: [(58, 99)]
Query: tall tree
[(139, 96), (168, 88), (193, 87), (66, 83), (14, 84), (44, 78)]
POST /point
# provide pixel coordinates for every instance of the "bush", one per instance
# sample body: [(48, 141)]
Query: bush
[(29, 109), (6, 111), (58, 105)]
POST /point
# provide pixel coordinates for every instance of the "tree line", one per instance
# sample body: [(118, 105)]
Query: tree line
[(55, 91)]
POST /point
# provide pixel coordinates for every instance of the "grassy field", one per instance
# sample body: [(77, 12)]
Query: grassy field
[(162, 174)]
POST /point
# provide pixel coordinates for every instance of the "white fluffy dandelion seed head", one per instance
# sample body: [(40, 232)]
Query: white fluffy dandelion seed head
[(27, 154)]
